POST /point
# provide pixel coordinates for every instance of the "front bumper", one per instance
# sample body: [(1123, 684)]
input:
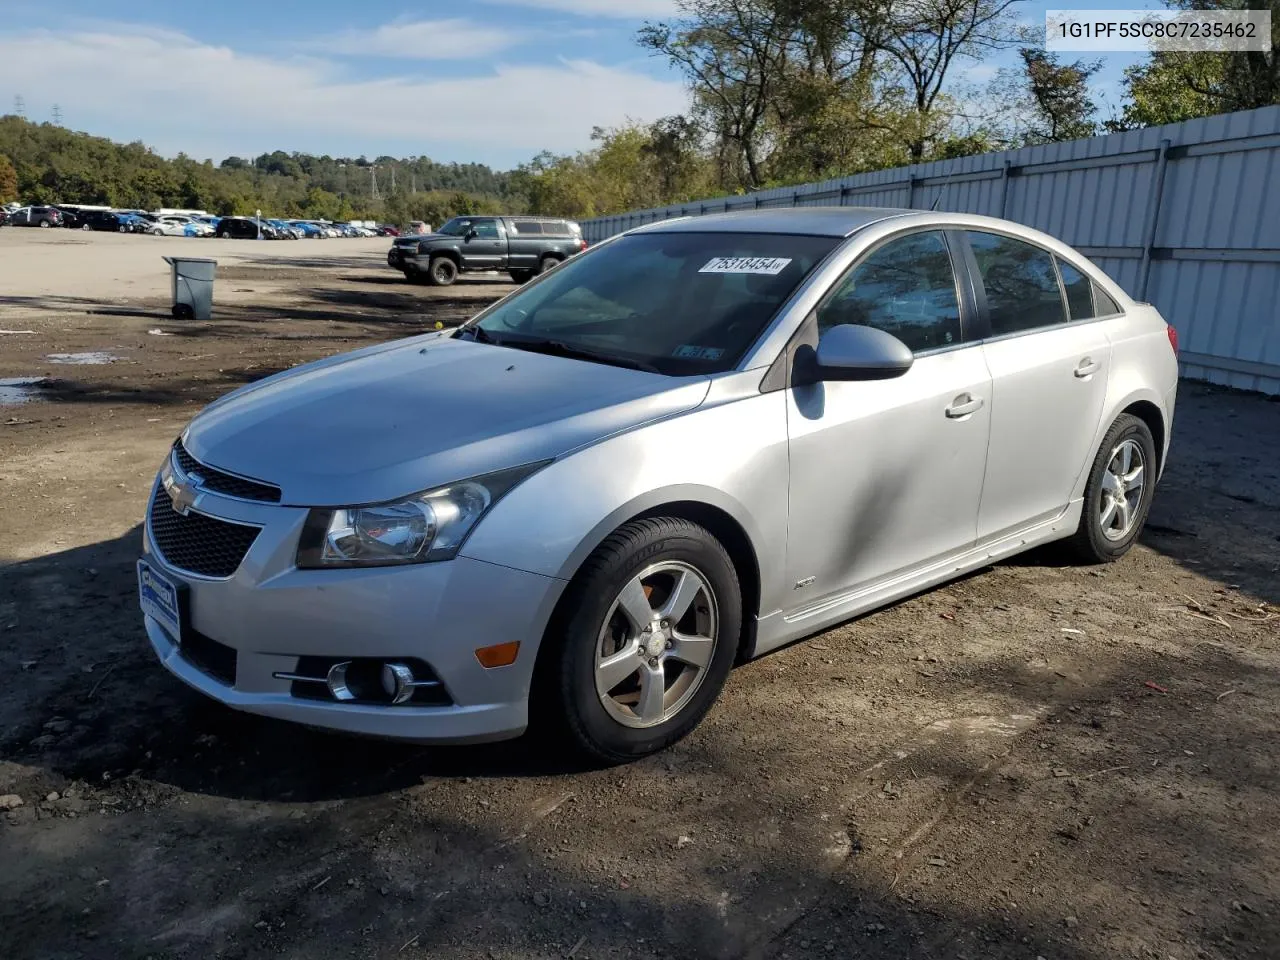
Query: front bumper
[(271, 614)]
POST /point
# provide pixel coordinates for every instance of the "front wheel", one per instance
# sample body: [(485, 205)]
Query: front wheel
[(646, 639), (44, 223), (85, 226), (1118, 495), (442, 272), (521, 276)]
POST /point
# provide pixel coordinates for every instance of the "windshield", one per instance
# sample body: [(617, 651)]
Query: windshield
[(678, 303), (456, 227)]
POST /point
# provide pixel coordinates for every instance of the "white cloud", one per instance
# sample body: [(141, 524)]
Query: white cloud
[(452, 39), (620, 9), (178, 94)]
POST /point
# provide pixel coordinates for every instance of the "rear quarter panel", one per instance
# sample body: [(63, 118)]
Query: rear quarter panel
[(1143, 368)]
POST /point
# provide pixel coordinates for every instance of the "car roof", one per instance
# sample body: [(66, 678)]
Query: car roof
[(811, 221)]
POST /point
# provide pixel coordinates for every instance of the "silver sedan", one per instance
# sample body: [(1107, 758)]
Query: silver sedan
[(684, 448)]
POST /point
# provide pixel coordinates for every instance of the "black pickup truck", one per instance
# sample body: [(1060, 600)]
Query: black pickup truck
[(522, 246)]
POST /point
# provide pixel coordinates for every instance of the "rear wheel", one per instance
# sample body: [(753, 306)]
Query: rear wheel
[(85, 226), (521, 276), (648, 634), (442, 272), (546, 264), (45, 223), (1118, 495)]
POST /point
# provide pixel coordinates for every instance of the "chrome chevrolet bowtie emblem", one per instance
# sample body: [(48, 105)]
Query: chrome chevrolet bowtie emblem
[(183, 493)]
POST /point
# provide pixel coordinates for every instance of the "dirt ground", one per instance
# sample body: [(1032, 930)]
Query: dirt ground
[(1037, 761)]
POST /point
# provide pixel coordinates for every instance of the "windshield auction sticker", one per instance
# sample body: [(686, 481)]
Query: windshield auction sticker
[(764, 266), (1143, 31)]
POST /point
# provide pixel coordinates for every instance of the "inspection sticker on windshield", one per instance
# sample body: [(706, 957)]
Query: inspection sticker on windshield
[(765, 266), (690, 352)]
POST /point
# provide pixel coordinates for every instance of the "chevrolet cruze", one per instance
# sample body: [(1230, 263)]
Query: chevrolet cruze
[(686, 447)]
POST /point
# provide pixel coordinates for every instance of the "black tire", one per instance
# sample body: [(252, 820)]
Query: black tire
[(85, 226), (183, 311), (1091, 543), (565, 696), (547, 263), (45, 223), (442, 272), (521, 276)]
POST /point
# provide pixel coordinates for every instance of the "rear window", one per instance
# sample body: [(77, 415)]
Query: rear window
[(683, 303)]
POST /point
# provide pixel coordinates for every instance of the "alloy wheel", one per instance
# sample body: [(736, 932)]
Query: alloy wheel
[(1122, 486), (656, 644)]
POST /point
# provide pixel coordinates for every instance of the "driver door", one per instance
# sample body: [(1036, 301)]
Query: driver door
[(484, 246), (886, 475)]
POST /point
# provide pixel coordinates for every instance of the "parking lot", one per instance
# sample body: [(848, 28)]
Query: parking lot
[(1039, 760)]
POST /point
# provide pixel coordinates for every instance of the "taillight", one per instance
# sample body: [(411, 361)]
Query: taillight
[(582, 245), (1173, 337)]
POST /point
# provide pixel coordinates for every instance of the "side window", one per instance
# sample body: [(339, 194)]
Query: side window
[(1021, 284), (1107, 307), (526, 227), (906, 288), (1079, 290), (487, 229)]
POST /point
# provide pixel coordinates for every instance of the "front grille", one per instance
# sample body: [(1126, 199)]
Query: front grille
[(196, 543), (209, 656), (220, 482)]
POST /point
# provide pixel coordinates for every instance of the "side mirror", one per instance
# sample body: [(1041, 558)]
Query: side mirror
[(852, 352)]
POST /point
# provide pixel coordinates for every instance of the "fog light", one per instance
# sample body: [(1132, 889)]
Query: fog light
[(499, 655), (397, 682), (337, 682)]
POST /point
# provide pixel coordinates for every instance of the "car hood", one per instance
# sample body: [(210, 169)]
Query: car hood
[(390, 420)]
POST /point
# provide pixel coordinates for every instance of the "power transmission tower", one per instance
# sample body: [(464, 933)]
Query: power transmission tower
[(373, 180), (20, 106), (57, 115), (393, 178), (413, 180)]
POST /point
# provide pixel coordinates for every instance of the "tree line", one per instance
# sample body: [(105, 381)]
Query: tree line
[(781, 92)]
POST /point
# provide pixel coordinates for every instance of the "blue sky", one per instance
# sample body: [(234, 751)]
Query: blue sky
[(492, 81)]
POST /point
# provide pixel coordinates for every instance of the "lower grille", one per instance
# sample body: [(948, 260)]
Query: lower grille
[(209, 656), (196, 543)]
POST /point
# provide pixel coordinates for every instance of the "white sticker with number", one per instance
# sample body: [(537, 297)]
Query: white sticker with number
[(764, 266)]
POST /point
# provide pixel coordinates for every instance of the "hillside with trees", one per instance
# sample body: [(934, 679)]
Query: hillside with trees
[(781, 92)]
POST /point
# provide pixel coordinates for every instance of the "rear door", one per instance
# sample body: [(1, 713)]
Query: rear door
[(524, 241), (886, 475), (1048, 382), (485, 248)]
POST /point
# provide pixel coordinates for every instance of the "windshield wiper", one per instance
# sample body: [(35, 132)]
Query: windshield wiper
[(478, 334), (559, 348)]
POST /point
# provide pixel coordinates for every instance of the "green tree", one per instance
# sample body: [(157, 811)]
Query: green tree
[(1174, 86), (8, 180)]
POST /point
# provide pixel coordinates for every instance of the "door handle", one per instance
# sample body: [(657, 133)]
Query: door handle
[(1086, 368), (963, 405)]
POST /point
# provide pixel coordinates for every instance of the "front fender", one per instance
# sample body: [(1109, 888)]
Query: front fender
[(730, 453)]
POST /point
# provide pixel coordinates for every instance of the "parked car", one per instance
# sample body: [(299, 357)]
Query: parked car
[(104, 220), (240, 228), (386, 230), (4, 217), (307, 228), (522, 246), (175, 225), (37, 217), (691, 445), (284, 230)]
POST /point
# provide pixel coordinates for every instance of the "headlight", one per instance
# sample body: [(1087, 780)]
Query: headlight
[(425, 527)]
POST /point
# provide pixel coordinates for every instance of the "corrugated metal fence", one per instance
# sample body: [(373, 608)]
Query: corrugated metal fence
[(1186, 216)]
